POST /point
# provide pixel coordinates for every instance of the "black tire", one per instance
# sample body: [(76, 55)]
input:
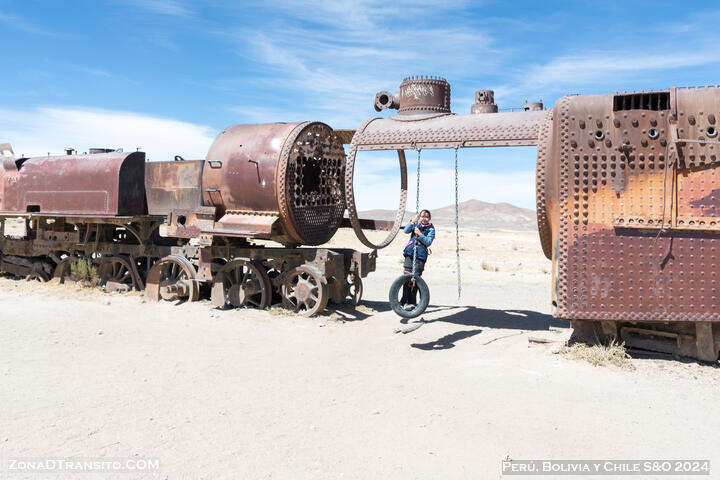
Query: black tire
[(423, 291)]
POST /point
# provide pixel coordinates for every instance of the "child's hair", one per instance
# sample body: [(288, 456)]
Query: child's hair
[(426, 211)]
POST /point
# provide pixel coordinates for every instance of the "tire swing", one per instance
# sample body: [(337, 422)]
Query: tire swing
[(420, 284), (416, 281)]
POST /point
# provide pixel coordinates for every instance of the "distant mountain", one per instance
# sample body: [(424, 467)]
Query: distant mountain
[(472, 214)]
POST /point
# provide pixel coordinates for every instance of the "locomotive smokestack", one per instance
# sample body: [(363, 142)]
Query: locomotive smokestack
[(424, 95), (484, 102), (533, 106), (417, 96)]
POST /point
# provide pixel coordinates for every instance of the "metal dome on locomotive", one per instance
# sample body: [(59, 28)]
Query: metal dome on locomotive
[(293, 172)]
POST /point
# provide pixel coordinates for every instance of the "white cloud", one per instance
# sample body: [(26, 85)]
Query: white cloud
[(95, 71), (269, 114), (44, 130), (173, 8), (604, 70), (339, 53), (19, 23), (597, 67)]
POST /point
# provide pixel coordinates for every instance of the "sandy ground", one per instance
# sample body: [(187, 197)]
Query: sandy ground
[(248, 394)]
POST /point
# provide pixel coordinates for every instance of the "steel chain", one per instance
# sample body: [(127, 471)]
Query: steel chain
[(457, 226), (417, 211)]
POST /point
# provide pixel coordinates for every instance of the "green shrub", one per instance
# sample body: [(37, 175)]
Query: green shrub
[(83, 271)]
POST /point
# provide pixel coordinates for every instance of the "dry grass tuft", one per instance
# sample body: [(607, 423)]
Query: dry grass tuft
[(335, 317), (84, 272), (331, 315), (600, 355), (279, 311), (364, 309)]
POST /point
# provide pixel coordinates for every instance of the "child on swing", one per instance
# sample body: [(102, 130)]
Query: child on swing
[(423, 231)]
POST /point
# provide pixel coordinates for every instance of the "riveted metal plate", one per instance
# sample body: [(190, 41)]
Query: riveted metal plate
[(541, 192), (620, 183)]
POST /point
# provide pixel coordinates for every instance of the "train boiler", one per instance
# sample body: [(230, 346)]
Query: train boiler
[(629, 212), (282, 182)]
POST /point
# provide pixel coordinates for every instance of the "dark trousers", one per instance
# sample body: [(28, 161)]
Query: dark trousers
[(409, 295)]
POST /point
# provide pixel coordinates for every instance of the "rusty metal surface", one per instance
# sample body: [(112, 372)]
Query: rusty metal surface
[(385, 100), (173, 186), (448, 131), (423, 95), (623, 175), (484, 102), (246, 224), (350, 197), (311, 183), (194, 217), (424, 121), (541, 188), (245, 178), (369, 224), (102, 184), (172, 278), (296, 169), (345, 136)]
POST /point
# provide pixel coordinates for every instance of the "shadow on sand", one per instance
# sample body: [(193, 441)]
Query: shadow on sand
[(521, 320), (467, 316)]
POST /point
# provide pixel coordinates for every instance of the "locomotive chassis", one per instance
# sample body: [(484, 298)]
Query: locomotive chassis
[(51, 243)]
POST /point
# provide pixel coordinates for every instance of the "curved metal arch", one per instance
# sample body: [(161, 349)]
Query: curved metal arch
[(350, 195)]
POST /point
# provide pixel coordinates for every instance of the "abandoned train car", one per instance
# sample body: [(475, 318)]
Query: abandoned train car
[(179, 229)]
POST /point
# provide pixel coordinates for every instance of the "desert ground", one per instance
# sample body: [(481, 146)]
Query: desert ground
[(250, 394)]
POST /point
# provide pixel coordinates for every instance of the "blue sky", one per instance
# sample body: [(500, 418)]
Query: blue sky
[(167, 76)]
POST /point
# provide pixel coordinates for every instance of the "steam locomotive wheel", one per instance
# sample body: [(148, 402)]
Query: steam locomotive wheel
[(241, 283), (305, 291), (275, 285), (172, 278), (62, 270), (116, 274), (38, 277), (356, 288), (40, 272)]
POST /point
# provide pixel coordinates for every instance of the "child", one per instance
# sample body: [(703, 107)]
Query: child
[(424, 232)]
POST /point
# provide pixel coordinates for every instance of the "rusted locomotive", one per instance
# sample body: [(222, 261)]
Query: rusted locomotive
[(178, 228), (628, 200)]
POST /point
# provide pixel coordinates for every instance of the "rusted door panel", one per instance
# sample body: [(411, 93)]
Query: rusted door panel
[(173, 186), (698, 177)]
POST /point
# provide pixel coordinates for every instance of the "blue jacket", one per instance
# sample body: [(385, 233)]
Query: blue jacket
[(424, 241)]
